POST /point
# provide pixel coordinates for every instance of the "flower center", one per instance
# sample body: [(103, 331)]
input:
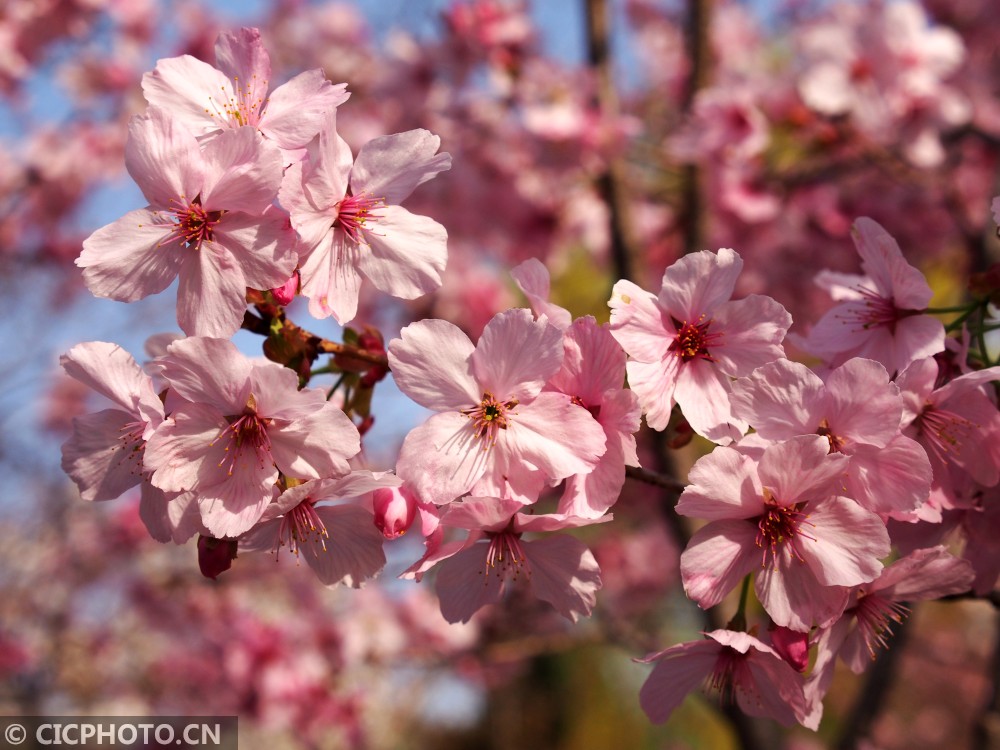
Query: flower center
[(245, 107), (731, 674), (247, 432), (945, 432), (778, 525), (873, 310), (505, 557), (490, 416), (875, 617), (193, 224), (693, 340), (302, 526), (132, 446), (354, 213), (836, 442)]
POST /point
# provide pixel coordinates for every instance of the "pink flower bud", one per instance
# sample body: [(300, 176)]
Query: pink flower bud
[(215, 556), (791, 645), (285, 293), (395, 509)]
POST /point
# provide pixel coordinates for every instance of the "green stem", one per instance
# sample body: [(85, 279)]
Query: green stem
[(739, 621), (955, 309), (336, 385)]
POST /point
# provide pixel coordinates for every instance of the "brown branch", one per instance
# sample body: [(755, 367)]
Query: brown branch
[(693, 209), (611, 183), (657, 480)]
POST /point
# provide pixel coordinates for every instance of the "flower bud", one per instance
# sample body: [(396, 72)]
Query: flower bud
[(215, 556), (395, 508), (285, 293)]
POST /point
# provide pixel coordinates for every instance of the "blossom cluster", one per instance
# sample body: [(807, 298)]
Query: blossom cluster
[(831, 490)]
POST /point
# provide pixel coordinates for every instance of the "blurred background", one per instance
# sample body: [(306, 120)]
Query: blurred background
[(604, 137)]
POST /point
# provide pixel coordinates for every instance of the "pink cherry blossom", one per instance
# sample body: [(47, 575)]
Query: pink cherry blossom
[(558, 569), (740, 667), (210, 222), (784, 518), (685, 344), (866, 624), (957, 423), (348, 215), (881, 315), (234, 425), (857, 410), (207, 100), (496, 429), (339, 542)]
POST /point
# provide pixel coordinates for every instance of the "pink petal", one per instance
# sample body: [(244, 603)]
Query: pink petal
[(849, 541), (164, 159), (317, 446), (185, 86), (392, 166), (564, 573), (893, 479), (794, 599), (753, 329), (782, 399), (353, 550), (593, 362), (211, 296), (883, 261), (532, 277), (638, 323), (482, 513), (126, 261), (678, 671), (699, 283), (802, 470), (442, 458), (430, 363), (242, 58), (864, 405), (330, 278), (242, 172), (516, 355), (717, 558), (406, 255), (297, 109), (263, 246), (207, 370), (722, 485), (464, 584), (101, 464), (183, 453), (702, 392), (553, 435), (112, 372), (654, 384), (929, 573)]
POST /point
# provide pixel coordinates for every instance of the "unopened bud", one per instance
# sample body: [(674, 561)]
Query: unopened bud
[(215, 556), (792, 645), (395, 508), (285, 293)]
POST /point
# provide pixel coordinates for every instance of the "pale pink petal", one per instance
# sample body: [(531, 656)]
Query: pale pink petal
[(794, 599), (97, 459), (353, 548), (208, 370), (564, 573), (532, 277), (164, 159), (863, 405), (310, 207), (717, 558), (699, 283), (929, 573), (654, 384), (442, 457), (778, 689), (430, 363), (638, 323), (243, 59), (702, 392), (915, 337), (392, 166), (678, 671), (483, 513), (802, 470), (231, 508), (464, 584), (185, 87), (849, 542), (263, 246), (176, 453), (593, 362), (893, 479), (242, 172), (316, 446), (211, 296), (883, 261), (590, 495), (553, 434), (752, 331), (916, 383), (296, 110), (331, 280), (112, 372), (782, 399), (127, 260), (722, 485), (406, 253), (516, 355)]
